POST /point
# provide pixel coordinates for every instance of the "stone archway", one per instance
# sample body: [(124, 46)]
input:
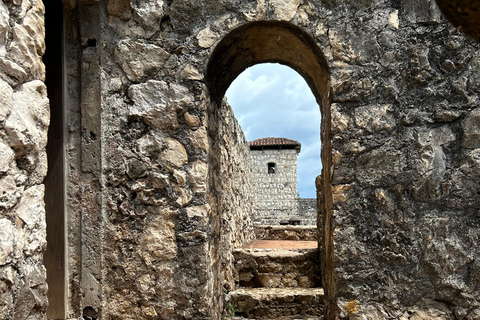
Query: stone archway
[(284, 43)]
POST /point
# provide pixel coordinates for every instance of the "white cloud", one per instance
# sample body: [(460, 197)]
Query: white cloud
[(271, 100)]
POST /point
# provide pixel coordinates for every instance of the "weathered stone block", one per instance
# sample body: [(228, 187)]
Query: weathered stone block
[(8, 238), (138, 59), (27, 123), (157, 103), (159, 240), (471, 130)]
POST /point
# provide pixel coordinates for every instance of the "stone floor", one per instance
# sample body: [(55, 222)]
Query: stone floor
[(281, 244)]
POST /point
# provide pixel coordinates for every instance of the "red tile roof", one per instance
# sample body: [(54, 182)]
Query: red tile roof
[(276, 142)]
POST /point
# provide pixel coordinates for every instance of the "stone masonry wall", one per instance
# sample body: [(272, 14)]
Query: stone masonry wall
[(24, 119), (275, 194), (405, 177), (404, 133), (307, 211), (174, 167), (230, 171)]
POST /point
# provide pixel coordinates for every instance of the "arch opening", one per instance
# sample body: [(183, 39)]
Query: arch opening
[(284, 43)]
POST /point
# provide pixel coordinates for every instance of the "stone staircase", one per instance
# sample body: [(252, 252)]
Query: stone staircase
[(277, 284)]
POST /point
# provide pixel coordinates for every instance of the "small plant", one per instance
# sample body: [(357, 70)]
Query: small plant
[(231, 309)]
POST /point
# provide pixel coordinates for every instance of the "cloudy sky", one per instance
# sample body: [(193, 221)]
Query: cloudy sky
[(272, 100)]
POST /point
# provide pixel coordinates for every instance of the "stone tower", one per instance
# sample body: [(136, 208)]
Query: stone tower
[(273, 163)]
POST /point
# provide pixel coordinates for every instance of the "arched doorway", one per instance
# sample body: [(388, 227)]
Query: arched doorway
[(284, 43)]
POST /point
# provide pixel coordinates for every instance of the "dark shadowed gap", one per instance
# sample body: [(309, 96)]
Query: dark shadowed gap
[(55, 255)]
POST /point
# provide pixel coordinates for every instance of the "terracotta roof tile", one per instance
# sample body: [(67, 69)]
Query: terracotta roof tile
[(275, 142)]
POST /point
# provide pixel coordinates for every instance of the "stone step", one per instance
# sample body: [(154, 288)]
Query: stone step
[(278, 303), (257, 268), (300, 233)]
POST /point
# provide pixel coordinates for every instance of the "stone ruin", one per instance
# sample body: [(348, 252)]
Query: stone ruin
[(123, 180), (273, 164)]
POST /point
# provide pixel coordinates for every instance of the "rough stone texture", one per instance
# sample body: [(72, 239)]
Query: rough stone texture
[(277, 268), (278, 303), (307, 211), (300, 233), (399, 191), (405, 209), (275, 194), (24, 119), (232, 185), (177, 202)]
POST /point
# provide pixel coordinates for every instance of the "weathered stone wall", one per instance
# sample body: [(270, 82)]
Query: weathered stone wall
[(145, 225), (307, 211), (275, 194), (300, 233), (231, 189), (24, 119), (405, 100), (174, 172)]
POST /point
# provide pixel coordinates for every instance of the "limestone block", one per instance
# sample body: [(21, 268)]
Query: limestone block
[(9, 193), (446, 115), (382, 164), (375, 118), (157, 103), (269, 280), (146, 284), (158, 180), (31, 211), (199, 212), (289, 280), (33, 23), (27, 47), (206, 38), (11, 72), (32, 293), (433, 161), (471, 130), (191, 73), (28, 121), (3, 27), (148, 13), (120, 8), (158, 239), (185, 196), (199, 138), (174, 155), (7, 240), (285, 10), (339, 192), (428, 310), (138, 59), (150, 145), (6, 157), (6, 100), (180, 177), (191, 120), (472, 164), (197, 176), (339, 120)]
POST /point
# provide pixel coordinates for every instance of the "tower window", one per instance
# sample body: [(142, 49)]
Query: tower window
[(271, 167)]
